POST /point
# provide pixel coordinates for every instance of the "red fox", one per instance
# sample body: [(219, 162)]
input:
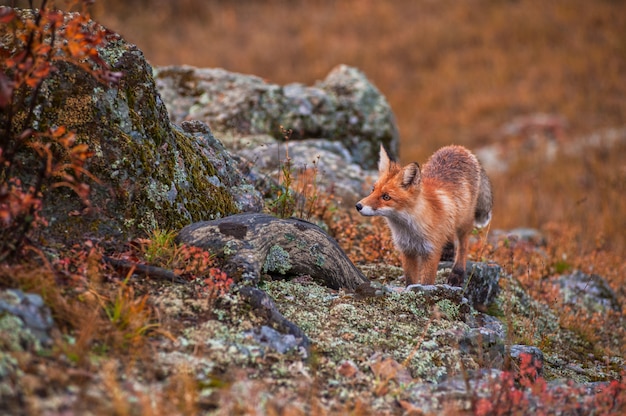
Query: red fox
[(427, 208)]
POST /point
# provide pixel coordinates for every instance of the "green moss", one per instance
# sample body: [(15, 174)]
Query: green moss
[(174, 190), (157, 173), (211, 198)]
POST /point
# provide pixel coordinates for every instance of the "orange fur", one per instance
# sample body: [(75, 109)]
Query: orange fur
[(426, 208)]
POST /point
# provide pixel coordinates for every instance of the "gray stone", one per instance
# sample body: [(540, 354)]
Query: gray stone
[(587, 292), (345, 107), (273, 339), (31, 310), (482, 282), (535, 354), (486, 339), (331, 167)]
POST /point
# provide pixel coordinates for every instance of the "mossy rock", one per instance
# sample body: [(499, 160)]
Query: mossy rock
[(152, 174)]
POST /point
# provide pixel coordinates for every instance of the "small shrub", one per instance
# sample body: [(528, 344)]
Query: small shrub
[(32, 42), (189, 262), (526, 392)]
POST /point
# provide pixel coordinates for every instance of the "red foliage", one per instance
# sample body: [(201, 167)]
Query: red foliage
[(198, 265), (35, 40), (526, 392)]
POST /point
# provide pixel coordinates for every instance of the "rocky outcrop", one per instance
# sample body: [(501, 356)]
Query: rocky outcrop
[(324, 163), (153, 174), (587, 293), (334, 128), (345, 107)]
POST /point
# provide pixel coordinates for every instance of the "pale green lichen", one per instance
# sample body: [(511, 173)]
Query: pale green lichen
[(9, 370), (449, 309), (231, 247), (277, 260), (15, 336), (347, 328), (316, 252)]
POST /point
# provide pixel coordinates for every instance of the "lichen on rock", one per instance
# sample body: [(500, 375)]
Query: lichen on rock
[(152, 174), (344, 107), (277, 260)]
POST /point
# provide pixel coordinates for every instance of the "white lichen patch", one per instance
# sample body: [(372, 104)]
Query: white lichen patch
[(277, 260)]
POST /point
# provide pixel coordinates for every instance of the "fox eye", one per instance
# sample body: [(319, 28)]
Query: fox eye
[(386, 197)]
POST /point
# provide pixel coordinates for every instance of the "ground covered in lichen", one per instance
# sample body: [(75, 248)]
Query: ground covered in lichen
[(190, 353)]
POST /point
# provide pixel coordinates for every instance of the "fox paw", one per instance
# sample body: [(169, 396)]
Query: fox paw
[(456, 277)]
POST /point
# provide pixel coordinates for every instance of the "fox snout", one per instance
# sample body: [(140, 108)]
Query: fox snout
[(366, 210)]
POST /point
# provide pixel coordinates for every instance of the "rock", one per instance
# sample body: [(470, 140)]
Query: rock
[(485, 338), (535, 356), (482, 282), (153, 174), (25, 320), (345, 107), (253, 244), (542, 138), (587, 292), (438, 292), (540, 135), (363, 115), (273, 339), (427, 398), (493, 391), (330, 165), (228, 175), (517, 235)]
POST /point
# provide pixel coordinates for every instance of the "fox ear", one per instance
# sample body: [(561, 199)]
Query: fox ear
[(411, 175), (384, 161)]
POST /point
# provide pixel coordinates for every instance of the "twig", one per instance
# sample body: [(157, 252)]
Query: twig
[(145, 270)]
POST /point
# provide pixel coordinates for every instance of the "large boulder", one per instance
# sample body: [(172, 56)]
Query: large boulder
[(153, 174), (345, 107)]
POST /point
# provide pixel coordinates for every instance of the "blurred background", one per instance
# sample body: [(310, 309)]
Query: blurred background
[(539, 85)]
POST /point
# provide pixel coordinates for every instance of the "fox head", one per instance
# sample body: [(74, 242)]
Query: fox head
[(395, 191)]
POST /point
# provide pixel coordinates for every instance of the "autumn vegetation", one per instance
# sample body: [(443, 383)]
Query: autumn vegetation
[(452, 72)]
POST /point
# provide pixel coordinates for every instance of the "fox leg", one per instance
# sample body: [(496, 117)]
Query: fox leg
[(457, 276), (428, 269), (411, 266), (421, 269)]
